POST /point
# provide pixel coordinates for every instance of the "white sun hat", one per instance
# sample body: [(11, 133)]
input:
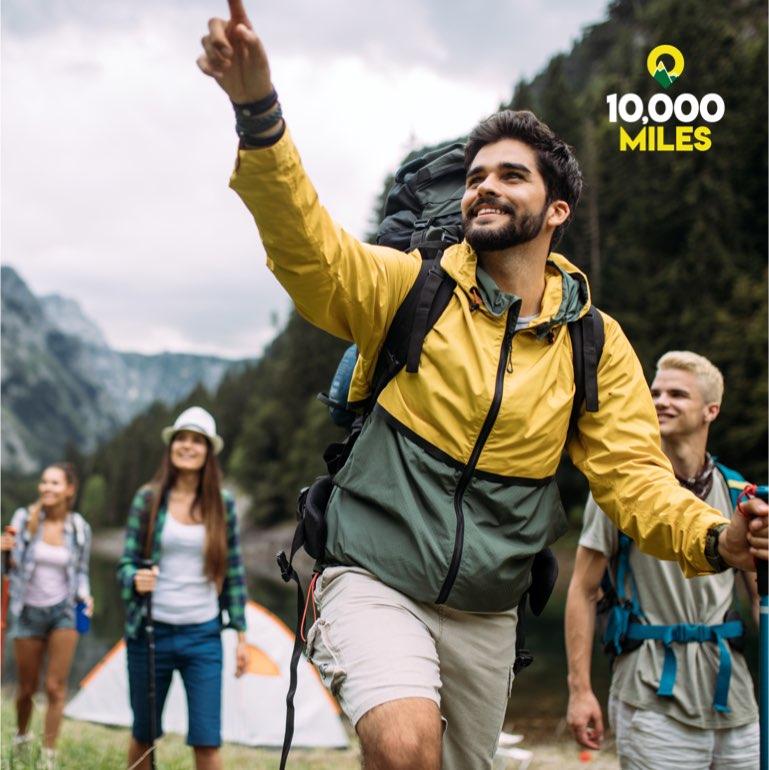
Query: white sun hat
[(197, 420)]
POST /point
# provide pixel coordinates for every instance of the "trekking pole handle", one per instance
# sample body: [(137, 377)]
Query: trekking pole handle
[(148, 564)]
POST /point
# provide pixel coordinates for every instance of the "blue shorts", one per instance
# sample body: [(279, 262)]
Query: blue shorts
[(38, 622), (195, 651)]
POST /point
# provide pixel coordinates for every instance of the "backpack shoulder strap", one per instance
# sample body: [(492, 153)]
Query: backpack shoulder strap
[(78, 523), (623, 562), (433, 299), (423, 305), (735, 482), (19, 520), (613, 578), (587, 340), (625, 571)]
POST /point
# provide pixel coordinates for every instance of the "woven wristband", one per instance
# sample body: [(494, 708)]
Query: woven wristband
[(249, 125)]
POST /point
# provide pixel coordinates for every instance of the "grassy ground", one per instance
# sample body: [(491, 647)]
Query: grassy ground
[(85, 746)]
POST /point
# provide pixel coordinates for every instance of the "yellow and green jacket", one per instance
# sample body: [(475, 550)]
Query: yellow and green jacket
[(449, 493)]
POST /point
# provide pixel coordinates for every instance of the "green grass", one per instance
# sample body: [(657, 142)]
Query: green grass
[(86, 746)]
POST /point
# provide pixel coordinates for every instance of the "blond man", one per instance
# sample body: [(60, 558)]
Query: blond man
[(671, 703)]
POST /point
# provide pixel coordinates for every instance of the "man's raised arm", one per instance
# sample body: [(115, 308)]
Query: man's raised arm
[(347, 288)]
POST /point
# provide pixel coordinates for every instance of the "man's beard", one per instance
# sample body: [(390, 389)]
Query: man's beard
[(516, 231)]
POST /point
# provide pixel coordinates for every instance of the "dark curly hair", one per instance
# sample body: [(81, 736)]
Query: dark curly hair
[(555, 160)]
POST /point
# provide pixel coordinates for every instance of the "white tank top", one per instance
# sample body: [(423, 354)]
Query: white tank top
[(48, 584), (183, 594)]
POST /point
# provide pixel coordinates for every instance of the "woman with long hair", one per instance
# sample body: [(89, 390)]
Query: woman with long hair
[(182, 546), (49, 545)]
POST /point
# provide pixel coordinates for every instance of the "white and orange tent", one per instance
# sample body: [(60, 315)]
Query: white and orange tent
[(253, 706)]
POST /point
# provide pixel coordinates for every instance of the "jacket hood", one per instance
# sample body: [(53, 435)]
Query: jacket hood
[(566, 297)]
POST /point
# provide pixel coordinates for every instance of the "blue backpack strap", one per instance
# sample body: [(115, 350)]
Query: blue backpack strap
[(684, 633), (623, 572), (615, 634), (735, 481), (623, 564)]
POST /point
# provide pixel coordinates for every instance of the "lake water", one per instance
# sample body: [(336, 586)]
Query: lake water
[(107, 622)]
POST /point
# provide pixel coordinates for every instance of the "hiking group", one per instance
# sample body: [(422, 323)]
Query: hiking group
[(479, 359), (181, 578)]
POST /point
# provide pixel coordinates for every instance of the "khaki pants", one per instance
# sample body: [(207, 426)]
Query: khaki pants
[(648, 740), (371, 644)]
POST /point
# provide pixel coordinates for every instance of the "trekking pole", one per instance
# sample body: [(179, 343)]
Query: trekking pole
[(149, 628), (763, 655)]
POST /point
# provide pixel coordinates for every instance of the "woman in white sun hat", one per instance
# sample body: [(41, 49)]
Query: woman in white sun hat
[(185, 524)]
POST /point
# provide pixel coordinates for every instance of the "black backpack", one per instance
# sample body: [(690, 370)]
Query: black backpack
[(422, 211)]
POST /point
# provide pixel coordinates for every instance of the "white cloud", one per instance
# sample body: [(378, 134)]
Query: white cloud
[(116, 150)]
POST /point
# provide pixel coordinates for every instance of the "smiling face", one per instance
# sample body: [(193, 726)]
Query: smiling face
[(54, 489), (681, 408), (188, 451), (505, 199)]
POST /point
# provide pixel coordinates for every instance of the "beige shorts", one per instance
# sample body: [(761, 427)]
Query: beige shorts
[(371, 644)]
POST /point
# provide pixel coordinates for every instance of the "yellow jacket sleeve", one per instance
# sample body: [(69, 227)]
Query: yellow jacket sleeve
[(345, 287), (618, 450)]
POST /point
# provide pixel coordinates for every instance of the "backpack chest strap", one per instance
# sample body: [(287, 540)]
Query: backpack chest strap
[(684, 633)]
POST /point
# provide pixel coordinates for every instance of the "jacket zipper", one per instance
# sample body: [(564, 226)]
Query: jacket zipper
[(467, 473)]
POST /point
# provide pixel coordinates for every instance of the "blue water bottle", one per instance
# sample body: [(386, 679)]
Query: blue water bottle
[(82, 621)]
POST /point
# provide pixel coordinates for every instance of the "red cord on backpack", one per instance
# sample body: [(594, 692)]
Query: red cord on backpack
[(310, 597)]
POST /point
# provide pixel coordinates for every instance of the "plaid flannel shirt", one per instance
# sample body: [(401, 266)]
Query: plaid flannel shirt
[(232, 597), (77, 539)]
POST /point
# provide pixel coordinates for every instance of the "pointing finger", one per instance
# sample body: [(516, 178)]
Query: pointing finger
[(238, 12)]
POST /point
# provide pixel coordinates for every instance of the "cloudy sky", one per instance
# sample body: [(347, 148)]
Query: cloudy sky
[(116, 150)]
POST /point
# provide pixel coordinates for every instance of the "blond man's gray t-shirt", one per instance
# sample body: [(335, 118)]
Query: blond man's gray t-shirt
[(667, 598)]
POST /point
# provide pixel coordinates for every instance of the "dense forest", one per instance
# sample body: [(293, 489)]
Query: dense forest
[(675, 244)]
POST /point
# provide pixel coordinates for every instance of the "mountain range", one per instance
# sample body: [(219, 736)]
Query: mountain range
[(64, 386)]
